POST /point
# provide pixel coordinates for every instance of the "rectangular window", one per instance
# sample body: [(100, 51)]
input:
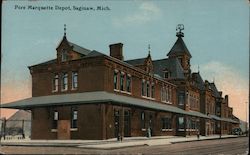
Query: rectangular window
[(163, 94), (181, 99), (170, 95), (128, 83), (74, 80), (74, 114), (166, 123), (152, 91), (55, 119), (115, 80), (167, 94), (143, 88), (55, 83), (148, 89), (143, 122), (65, 81), (181, 123), (64, 55), (122, 82)]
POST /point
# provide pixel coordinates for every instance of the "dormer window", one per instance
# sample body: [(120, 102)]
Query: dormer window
[(167, 74), (64, 55)]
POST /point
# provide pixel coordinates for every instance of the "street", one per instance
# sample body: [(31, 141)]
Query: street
[(230, 146)]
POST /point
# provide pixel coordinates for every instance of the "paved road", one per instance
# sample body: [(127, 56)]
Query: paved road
[(231, 146)]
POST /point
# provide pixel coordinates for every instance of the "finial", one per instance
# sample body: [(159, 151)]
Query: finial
[(198, 69), (148, 49), (64, 30), (180, 27)]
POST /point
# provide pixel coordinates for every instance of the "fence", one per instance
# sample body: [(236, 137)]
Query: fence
[(15, 129)]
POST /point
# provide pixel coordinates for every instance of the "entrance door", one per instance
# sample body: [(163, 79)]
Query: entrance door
[(63, 129), (127, 124), (117, 122), (150, 124)]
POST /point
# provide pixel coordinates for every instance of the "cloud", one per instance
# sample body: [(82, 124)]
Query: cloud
[(230, 82), (147, 11)]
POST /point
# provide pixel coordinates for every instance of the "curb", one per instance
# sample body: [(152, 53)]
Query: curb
[(202, 140)]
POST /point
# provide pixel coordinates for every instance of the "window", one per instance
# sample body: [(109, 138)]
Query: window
[(163, 94), (166, 123), (181, 99), (115, 80), (74, 80), (55, 83), (65, 81), (167, 94), (148, 89), (55, 119), (122, 82), (181, 123), (64, 55), (170, 95), (167, 74), (152, 91), (74, 114), (143, 88), (143, 122), (128, 83)]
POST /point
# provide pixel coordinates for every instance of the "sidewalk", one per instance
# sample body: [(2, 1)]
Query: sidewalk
[(111, 143)]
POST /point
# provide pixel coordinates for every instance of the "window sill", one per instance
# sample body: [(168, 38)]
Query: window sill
[(166, 129), (54, 91), (143, 129), (122, 91), (74, 129), (64, 90), (74, 89), (150, 98), (192, 129), (53, 130), (180, 129), (167, 102)]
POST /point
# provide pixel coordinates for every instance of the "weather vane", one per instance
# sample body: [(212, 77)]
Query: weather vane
[(65, 30), (179, 27)]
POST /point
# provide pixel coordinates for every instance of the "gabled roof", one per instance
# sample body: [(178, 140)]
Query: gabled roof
[(198, 81), (170, 64), (179, 48), (79, 49), (214, 90)]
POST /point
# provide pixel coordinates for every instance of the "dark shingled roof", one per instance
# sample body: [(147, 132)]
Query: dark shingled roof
[(136, 62), (79, 49), (198, 81), (171, 64), (214, 90), (179, 48), (45, 63)]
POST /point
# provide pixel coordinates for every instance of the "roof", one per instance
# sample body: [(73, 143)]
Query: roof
[(45, 63), (214, 90), (95, 97), (172, 65), (179, 48), (223, 119), (79, 49), (136, 62), (198, 81)]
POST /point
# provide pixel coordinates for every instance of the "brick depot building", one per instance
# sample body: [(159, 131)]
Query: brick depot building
[(85, 94)]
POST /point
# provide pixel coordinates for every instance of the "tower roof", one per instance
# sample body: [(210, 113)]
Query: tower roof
[(179, 48)]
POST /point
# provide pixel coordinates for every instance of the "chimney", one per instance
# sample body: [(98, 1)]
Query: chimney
[(226, 98), (220, 92), (116, 51)]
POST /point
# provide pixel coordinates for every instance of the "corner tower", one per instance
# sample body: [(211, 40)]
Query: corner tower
[(180, 51)]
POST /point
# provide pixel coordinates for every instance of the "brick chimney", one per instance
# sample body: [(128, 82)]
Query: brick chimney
[(116, 51)]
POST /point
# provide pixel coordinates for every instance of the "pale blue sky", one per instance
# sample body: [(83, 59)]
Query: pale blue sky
[(216, 32)]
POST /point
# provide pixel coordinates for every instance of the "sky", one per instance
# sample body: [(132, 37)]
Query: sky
[(216, 34)]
